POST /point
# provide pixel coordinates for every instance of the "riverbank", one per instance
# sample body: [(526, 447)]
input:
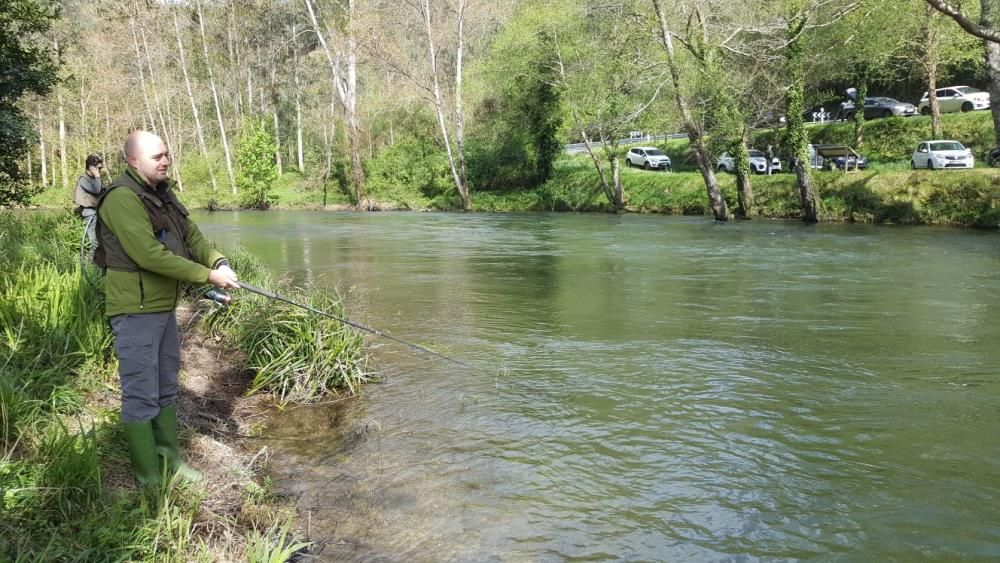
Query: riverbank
[(889, 192), (66, 489)]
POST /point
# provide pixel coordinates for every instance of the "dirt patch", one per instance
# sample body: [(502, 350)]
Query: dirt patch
[(217, 420)]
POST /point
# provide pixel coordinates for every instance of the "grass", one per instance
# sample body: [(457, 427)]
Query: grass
[(60, 450)]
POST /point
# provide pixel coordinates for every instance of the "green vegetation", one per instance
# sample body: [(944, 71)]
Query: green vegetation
[(64, 494), (27, 67), (962, 198), (257, 170)]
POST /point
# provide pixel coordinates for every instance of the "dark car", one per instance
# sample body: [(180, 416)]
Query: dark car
[(877, 106)]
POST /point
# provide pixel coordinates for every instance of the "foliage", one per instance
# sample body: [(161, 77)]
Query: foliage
[(25, 67), (257, 169), (410, 172), (515, 139)]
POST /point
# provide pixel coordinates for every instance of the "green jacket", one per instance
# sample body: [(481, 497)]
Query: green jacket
[(154, 285)]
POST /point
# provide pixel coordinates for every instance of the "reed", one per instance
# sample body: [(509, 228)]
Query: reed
[(296, 355)]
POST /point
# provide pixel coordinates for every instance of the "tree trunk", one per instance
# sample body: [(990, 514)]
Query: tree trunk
[(83, 111), (425, 8), (992, 63), (744, 191), (347, 93), (63, 169), (41, 148), (932, 55), (215, 98), (695, 138), (175, 150), (608, 192), (107, 138), (150, 123), (459, 120), (298, 101), (619, 200), (993, 86), (277, 133), (167, 130), (199, 131), (797, 138), (31, 173), (351, 106), (859, 111)]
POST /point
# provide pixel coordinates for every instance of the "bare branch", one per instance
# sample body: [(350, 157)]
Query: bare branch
[(964, 21)]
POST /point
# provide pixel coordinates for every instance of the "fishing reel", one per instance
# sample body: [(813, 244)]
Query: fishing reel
[(219, 296)]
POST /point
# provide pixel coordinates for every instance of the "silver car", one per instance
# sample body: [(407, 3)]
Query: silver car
[(758, 163), (956, 98), (878, 106)]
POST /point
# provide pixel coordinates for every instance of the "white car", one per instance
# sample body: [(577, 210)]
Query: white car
[(758, 163), (941, 154), (956, 98), (650, 158)]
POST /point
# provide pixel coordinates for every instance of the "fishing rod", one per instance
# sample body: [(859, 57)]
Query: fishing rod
[(222, 298)]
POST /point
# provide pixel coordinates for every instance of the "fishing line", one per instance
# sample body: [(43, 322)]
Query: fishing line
[(277, 297)]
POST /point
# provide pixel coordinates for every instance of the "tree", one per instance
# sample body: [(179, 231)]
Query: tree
[(798, 140), (257, 169), (27, 67), (988, 31), (696, 136)]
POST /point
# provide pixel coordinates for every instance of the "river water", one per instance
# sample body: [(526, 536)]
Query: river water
[(652, 388)]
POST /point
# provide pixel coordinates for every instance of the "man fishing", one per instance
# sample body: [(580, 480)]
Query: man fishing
[(149, 247)]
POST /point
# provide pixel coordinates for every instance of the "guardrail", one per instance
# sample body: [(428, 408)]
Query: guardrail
[(576, 148)]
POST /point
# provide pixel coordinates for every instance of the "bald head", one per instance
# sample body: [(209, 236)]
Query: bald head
[(147, 155)]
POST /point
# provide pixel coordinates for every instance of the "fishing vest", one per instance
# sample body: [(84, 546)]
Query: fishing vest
[(82, 197), (167, 216)]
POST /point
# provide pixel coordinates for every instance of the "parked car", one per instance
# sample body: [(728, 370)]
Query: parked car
[(758, 163), (941, 154), (956, 98), (650, 158), (832, 157), (878, 106)]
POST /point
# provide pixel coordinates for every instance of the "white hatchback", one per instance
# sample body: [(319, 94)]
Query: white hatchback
[(941, 154)]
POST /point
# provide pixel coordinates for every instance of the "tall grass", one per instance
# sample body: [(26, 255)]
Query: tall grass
[(297, 355)]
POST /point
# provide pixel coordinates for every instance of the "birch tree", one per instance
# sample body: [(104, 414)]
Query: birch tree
[(199, 130), (343, 60), (215, 98), (695, 135)]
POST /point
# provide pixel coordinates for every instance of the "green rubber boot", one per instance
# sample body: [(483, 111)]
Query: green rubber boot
[(165, 432), (142, 451)]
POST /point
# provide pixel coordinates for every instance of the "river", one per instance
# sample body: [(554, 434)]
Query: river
[(651, 388)]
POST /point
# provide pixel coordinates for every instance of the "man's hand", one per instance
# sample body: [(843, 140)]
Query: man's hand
[(223, 277)]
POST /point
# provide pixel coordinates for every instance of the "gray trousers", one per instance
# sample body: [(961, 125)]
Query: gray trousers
[(149, 359), (89, 232)]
